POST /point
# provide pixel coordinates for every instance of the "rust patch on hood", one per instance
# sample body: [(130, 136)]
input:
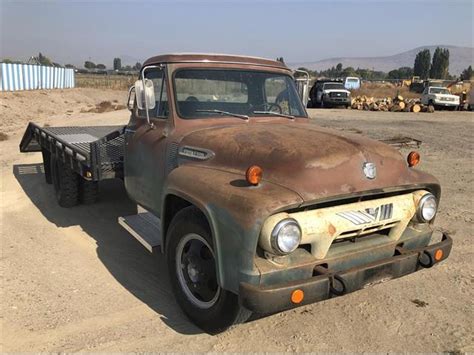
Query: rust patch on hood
[(313, 161)]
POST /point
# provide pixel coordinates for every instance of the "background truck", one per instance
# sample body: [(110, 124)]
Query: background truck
[(329, 93), (352, 83), (255, 208), (439, 97)]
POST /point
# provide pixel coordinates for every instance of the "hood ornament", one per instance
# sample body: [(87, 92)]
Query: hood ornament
[(370, 170)]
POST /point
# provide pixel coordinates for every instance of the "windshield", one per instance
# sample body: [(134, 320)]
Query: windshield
[(439, 91), (333, 86), (203, 93)]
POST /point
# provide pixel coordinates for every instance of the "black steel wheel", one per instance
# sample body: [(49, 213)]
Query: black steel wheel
[(193, 275), (65, 182)]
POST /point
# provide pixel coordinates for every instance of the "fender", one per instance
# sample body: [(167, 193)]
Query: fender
[(235, 212)]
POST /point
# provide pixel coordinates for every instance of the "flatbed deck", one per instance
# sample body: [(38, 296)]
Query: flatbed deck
[(94, 152)]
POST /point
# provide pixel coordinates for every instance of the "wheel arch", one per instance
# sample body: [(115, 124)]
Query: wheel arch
[(174, 202)]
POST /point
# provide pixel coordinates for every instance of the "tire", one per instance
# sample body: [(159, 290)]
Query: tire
[(193, 277), (47, 166), (88, 191), (65, 182)]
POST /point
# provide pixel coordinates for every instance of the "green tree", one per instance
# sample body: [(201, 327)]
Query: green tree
[(349, 71), (69, 66), (401, 73), (440, 66), (43, 60), (101, 66), (117, 64), (467, 73), (89, 65), (422, 64)]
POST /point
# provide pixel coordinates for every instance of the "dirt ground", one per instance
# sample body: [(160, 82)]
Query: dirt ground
[(45, 106), (73, 280)]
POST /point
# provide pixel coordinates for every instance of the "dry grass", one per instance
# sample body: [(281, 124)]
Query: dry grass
[(3, 136), (114, 82), (104, 106), (380, 90)]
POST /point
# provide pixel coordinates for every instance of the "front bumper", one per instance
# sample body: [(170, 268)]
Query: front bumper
[(446, 103), (327, 284), (336, 100)]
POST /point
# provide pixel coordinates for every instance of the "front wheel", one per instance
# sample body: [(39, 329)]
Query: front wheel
[(192, 269)]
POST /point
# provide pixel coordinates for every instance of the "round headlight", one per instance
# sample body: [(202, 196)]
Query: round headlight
[(286, 236), (427, 208)]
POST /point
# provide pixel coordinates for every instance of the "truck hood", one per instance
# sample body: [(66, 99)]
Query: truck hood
[(310, 160)]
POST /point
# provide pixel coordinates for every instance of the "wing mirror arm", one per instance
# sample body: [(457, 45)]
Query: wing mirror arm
[(149, 93), (129, 102), (305, 87)]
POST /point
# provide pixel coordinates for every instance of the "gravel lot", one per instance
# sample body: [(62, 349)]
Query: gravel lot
[(73, 280)]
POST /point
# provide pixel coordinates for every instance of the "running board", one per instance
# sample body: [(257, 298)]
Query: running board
[(145, 227)]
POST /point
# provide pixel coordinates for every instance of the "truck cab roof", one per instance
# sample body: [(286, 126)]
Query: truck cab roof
[(213, 58)]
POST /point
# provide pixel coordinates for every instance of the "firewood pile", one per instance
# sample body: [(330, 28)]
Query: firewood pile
[(396, 104)]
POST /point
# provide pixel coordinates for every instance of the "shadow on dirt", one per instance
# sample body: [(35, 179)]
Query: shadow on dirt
[(142, 274)]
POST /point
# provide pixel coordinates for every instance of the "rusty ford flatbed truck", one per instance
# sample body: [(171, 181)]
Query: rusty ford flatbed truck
[(256, 208)]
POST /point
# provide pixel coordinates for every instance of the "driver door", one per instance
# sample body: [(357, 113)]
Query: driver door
[(145, 146)]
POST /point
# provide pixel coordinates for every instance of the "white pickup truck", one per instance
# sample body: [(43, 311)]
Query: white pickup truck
[(439, 97)]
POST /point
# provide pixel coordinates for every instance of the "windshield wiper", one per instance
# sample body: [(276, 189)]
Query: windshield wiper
[(275, 114), (243, 117)]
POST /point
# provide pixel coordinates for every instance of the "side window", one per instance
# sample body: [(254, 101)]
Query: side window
[(161, 97), (277, 93)]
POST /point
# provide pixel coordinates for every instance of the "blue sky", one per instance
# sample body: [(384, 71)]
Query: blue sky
[(300, 31)]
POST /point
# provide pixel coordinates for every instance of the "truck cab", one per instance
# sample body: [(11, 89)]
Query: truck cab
[(255, 208)]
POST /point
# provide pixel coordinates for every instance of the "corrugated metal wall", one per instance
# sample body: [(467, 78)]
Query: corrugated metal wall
[(14, 77)]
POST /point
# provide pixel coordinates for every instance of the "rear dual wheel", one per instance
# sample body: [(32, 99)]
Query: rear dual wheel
[(69, 187), (193, 276), (65, 182)]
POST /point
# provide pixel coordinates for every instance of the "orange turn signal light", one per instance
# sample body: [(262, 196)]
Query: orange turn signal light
[(254, 175), (297, 296), (438, 255), (413, 159)]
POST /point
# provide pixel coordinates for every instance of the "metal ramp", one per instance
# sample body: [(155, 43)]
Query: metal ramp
[(145, 227)]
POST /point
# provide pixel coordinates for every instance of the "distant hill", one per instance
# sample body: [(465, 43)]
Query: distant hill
[(459, 59)]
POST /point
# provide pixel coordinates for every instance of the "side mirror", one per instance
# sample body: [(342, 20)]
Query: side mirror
[(145, 94)]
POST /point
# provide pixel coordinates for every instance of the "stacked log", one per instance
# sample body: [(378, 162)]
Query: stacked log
[(395, 104)]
